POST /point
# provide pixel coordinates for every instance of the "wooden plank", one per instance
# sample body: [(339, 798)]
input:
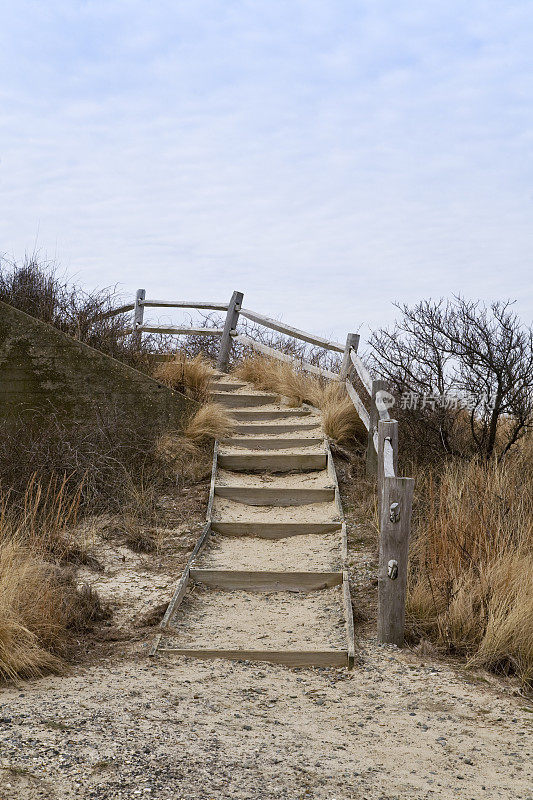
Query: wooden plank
[(279, 497), (272, 353), (253, 443), (290, 658), (214, 467), (348, 613), (371, 452), (115, 311), (138, 316), (230, 326), (263, 581), (352, 343), (185, 304), (253, 316), (364, 374), (272, 530), (364, 416), (395, 527), (232, 400), (181, 331), (344, 543), (275, 462), (243, 414), (276, 428), (181, 588)]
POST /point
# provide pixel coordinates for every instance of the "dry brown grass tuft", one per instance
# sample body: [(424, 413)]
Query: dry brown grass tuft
[(471, 578), (339, 417), (211, 421), (340, 420), (41, 606), (190, 376), (187, 453)]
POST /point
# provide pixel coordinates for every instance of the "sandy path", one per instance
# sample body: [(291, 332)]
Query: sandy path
[(394, 728)]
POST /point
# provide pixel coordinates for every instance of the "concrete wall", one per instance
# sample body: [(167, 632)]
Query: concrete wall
[(42, 369)]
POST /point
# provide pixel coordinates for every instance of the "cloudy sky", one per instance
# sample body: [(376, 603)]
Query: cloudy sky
[(325, 158)]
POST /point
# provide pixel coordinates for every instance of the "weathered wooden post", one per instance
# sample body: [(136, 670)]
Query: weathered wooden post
[(371, 455), (138, 315), (395, 527), (230, 325), (387, 431), (352, 343)]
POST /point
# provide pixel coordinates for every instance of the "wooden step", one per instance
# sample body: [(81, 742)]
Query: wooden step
[(244, 415), (277, 462), (272, 530), (263, 581), (276, 428), (222, 386), (267, 496), (291, 658), (273, 444), (233, 400)]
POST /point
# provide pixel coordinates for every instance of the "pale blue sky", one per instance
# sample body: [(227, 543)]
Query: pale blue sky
[(326, 158)]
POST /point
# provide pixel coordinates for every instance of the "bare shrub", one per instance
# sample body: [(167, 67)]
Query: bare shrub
[(477, 363)]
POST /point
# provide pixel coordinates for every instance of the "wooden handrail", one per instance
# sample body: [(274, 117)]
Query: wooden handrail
[(184, 304), (270, 351), (358, 403), (253, 316), (181, 331), (363, 373)]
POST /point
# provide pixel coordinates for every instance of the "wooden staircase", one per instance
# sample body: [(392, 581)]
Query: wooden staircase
[(267, 580)]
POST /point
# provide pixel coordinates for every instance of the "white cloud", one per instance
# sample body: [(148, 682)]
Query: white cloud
[(326, 159)]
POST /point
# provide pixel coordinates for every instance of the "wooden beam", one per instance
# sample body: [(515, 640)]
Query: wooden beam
[(262, 581), (279, 497), (138, 315), (395, 526), (364, 416), (181, 331), (352, 343), (371, 455), (290, 331), (291, 658), (364, 374), (348, 614), (185, 304), (230, 327)]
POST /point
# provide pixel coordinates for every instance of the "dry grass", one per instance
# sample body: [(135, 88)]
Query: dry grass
[(339, 417), (471, 579), (187, 453), (190, 376), (41, 607)]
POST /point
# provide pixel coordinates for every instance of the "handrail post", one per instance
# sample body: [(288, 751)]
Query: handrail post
[(386, 430), (352, 343), (395, 528), (371, 455), (138, 316), (232, 317)]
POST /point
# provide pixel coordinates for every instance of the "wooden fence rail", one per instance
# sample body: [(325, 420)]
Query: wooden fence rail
[(394, 494)]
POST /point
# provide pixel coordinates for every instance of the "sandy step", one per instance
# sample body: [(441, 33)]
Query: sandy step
[(263, 496), (236, 519), (234, 400), (266, 581), (224, 386), (282, 461), (267, 415), (237, 619), (314, 552), (276, 428), (272, 443)]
